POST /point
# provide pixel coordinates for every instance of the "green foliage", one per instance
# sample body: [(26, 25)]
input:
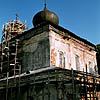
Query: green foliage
[(98, 57), (98, 49)]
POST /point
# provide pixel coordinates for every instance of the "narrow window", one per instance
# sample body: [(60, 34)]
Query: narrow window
[(77, 62), (61, 59), (90, 67)]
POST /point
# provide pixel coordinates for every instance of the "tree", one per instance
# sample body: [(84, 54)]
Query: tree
[(98, 57)]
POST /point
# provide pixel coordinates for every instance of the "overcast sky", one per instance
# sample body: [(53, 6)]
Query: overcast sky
[(81, 17)]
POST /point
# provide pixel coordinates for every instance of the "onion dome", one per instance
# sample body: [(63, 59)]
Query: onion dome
[(45, 16)]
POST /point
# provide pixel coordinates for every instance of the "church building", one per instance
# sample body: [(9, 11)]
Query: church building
[(47, 62)]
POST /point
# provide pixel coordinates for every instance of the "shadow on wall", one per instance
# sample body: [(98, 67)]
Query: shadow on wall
[(37, 58)]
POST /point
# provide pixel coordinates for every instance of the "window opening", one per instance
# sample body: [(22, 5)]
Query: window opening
[(61, 59), (77, 62)]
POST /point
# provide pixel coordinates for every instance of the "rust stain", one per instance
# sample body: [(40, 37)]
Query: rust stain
[(53, 57)]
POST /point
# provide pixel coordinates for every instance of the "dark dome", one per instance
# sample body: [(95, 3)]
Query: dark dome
[(45, 16)]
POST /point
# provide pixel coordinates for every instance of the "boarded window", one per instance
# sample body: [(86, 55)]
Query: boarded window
[(77, 62), (61, 59)]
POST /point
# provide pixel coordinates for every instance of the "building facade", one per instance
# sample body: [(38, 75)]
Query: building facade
[(51, 63)]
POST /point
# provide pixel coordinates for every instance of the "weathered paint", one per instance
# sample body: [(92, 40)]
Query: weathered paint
[(36, 52), (70, 48), (42, 50), (53, 57)]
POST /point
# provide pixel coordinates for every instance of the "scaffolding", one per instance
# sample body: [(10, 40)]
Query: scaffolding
[(10, 45), (68, 85), (13, 28)]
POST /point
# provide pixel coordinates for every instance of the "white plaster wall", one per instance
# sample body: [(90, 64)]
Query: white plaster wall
[(56, 45), (70, 48)]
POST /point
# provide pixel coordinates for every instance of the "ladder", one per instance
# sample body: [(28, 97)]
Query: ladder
[(10, 63)]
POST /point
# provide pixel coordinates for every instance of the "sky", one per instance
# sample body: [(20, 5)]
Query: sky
[(82, 17)]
